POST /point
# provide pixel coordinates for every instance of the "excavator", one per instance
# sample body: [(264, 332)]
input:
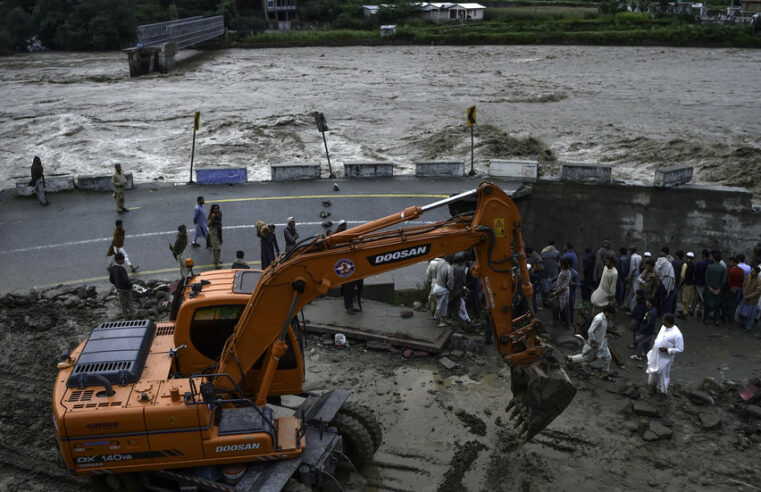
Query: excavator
[(192, 403)]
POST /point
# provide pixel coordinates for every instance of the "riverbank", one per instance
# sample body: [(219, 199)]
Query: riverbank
[(569, 26)]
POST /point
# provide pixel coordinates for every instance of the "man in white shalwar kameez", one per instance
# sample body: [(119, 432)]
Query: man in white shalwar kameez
[(668, 343), (606, 291), (596, 345)]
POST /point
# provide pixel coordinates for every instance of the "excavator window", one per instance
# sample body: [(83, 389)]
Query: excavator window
[(211, 326)]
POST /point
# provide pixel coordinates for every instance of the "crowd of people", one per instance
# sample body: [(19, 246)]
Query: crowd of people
[(648, 288)]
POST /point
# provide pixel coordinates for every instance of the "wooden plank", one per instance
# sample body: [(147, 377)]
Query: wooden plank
[(412, 343)]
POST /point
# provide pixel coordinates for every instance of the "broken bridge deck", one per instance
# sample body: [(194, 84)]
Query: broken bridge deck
[(379, 322)]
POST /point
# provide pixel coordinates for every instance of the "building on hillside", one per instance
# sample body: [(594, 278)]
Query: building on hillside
[(280, 14), (445, 12)]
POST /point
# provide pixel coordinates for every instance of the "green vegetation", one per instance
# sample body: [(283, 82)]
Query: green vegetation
[(110, 24)]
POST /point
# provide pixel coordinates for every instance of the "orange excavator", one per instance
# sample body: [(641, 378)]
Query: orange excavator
[(189, 404)]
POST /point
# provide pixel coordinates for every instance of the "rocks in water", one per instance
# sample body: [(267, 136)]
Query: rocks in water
[(701, 398)]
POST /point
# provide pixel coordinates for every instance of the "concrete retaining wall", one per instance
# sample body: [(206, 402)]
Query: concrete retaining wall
[(673, 176), (101, 183), (368, 169), (439, 168), (514, 170), (52, 184), (221, 176), (689, 217), (585, 172), (286, 171)]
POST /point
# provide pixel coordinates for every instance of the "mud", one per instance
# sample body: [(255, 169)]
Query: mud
[(443, 430), (635, 108)]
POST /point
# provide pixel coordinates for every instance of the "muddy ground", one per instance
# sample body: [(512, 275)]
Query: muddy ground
[(444, 429)]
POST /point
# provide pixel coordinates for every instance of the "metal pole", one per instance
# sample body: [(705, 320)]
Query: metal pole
[(192, 155), (472, 172), (330, 169)]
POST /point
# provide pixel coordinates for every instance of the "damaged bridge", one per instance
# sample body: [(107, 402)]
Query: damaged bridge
[(158, 43)]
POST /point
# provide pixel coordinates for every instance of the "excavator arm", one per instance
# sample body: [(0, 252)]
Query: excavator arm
[(541, 389)]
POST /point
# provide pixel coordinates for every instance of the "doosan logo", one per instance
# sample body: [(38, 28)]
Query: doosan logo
[(399, 255), (237, 447)]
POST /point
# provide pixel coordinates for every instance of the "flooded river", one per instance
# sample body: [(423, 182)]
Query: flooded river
[(636, 108)]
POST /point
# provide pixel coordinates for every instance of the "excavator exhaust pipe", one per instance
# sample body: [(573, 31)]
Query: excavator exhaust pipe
[(541, 392)]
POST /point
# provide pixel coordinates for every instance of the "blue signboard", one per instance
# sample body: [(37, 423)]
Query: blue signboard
[(221, 176)]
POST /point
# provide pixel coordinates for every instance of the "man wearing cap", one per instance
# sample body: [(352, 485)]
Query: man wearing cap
[(117, 275), (687, 282), (290, 234)]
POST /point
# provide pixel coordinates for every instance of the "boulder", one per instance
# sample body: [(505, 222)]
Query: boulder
[(657, 431), (447, 363), (709, 421), (753, 411), (710, 384), (646, 410), (701, 398)]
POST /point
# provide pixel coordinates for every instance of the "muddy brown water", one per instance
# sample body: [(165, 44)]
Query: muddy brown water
[(636, 108)]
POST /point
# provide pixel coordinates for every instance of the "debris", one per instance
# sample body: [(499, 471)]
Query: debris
[(646, 410), (750, 393), (375, 345), (417, 305), (657, 431), (336, 187), (447, 363), (406, 314), (407, 353), (709, 421), (326, 203), (457, 354), (327, 224), (324, 214), (701, 398), (340, 340)]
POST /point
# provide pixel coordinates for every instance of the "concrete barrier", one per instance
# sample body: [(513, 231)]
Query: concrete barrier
[(673, 176), (368, 169), (585, 172), (221, 176), (514, 170), (52, 184), (101, 183), (287, 172), (439, 168)]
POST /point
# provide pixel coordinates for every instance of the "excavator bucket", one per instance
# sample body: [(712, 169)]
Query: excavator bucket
[(541, 391)]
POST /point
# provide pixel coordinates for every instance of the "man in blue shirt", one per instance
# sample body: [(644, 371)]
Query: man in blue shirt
[(199, 219)]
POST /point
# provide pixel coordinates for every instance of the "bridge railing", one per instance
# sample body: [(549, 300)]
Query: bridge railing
[(183, 32)]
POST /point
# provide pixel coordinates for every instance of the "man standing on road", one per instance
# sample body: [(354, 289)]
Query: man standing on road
[(290, 234), (600, 257), (596, 345), (635, 262), (180, 243), (430, 278), (119, 182), (117, 246), (214, 223), (668, 343), (666, 296), (38, 181), (117, 275), (199, 219)]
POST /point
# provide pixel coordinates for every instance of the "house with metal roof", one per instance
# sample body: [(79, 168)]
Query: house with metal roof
[(445, 12)]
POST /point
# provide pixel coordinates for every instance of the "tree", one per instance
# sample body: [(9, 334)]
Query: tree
[(20, 27)]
